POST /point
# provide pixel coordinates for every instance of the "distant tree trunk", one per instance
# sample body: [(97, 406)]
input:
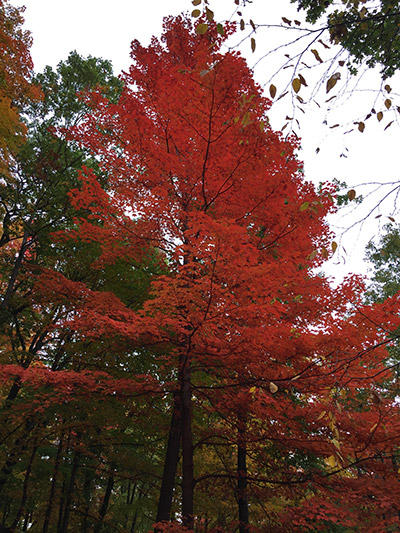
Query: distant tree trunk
[(70, 490), (53, 485), (187, 447), (170, 462), (61, 506), (24, 489), (105, 502), (243, 505), (87, 489)]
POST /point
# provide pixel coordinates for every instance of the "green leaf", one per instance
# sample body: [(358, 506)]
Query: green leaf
[(220, 29)]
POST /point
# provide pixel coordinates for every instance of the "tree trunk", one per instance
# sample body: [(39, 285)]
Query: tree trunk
[(187, 447), (170, 462), (24, 489), (53, 485), (243, 505), (105, 502), (70, 490)]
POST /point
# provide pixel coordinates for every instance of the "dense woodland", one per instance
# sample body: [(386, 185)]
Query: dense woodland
[(172, 358)]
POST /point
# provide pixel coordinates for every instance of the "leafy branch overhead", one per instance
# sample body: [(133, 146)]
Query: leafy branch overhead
[(337, 41)]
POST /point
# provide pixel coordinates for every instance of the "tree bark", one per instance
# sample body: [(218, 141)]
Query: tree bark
[(170, 462), (187, 447), (70, 490), (243, 506), (24, 489), (49, 508), (105, 502)]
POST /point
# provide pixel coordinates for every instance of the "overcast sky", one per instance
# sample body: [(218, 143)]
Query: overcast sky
[(105, 29)]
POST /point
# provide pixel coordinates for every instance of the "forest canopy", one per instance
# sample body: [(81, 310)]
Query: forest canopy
[(172, 357)]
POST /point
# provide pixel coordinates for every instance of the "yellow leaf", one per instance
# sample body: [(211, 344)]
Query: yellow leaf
[(304, 206), (272, 90), (321, 415), (273, 388), (296, 84), (201, 28), (331, 461), (336, 443), (373, 427)]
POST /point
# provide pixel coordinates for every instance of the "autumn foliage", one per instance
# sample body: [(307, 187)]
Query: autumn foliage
[(265, 389)]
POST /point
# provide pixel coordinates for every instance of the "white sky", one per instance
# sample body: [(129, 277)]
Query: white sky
[(105, 29)]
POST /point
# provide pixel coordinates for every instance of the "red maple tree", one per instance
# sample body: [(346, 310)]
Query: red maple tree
[(287, 368)]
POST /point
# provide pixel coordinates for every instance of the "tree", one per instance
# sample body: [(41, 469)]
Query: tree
[(16, 89), (41, 435), (247, 335)]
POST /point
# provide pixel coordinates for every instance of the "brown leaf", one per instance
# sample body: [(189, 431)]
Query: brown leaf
[(252, 25), (287, 21), (196, 13), (361, 126), (196, 2), (379, 115), (253, 44), (388, 126), (316, 55), (388, 88), (302, 80), (282, 95), (242, 24), (388, 103), (334, 246), (273, 388), (351, 194), (209, 15), (330, 84), (272, 90), (296, 84)]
